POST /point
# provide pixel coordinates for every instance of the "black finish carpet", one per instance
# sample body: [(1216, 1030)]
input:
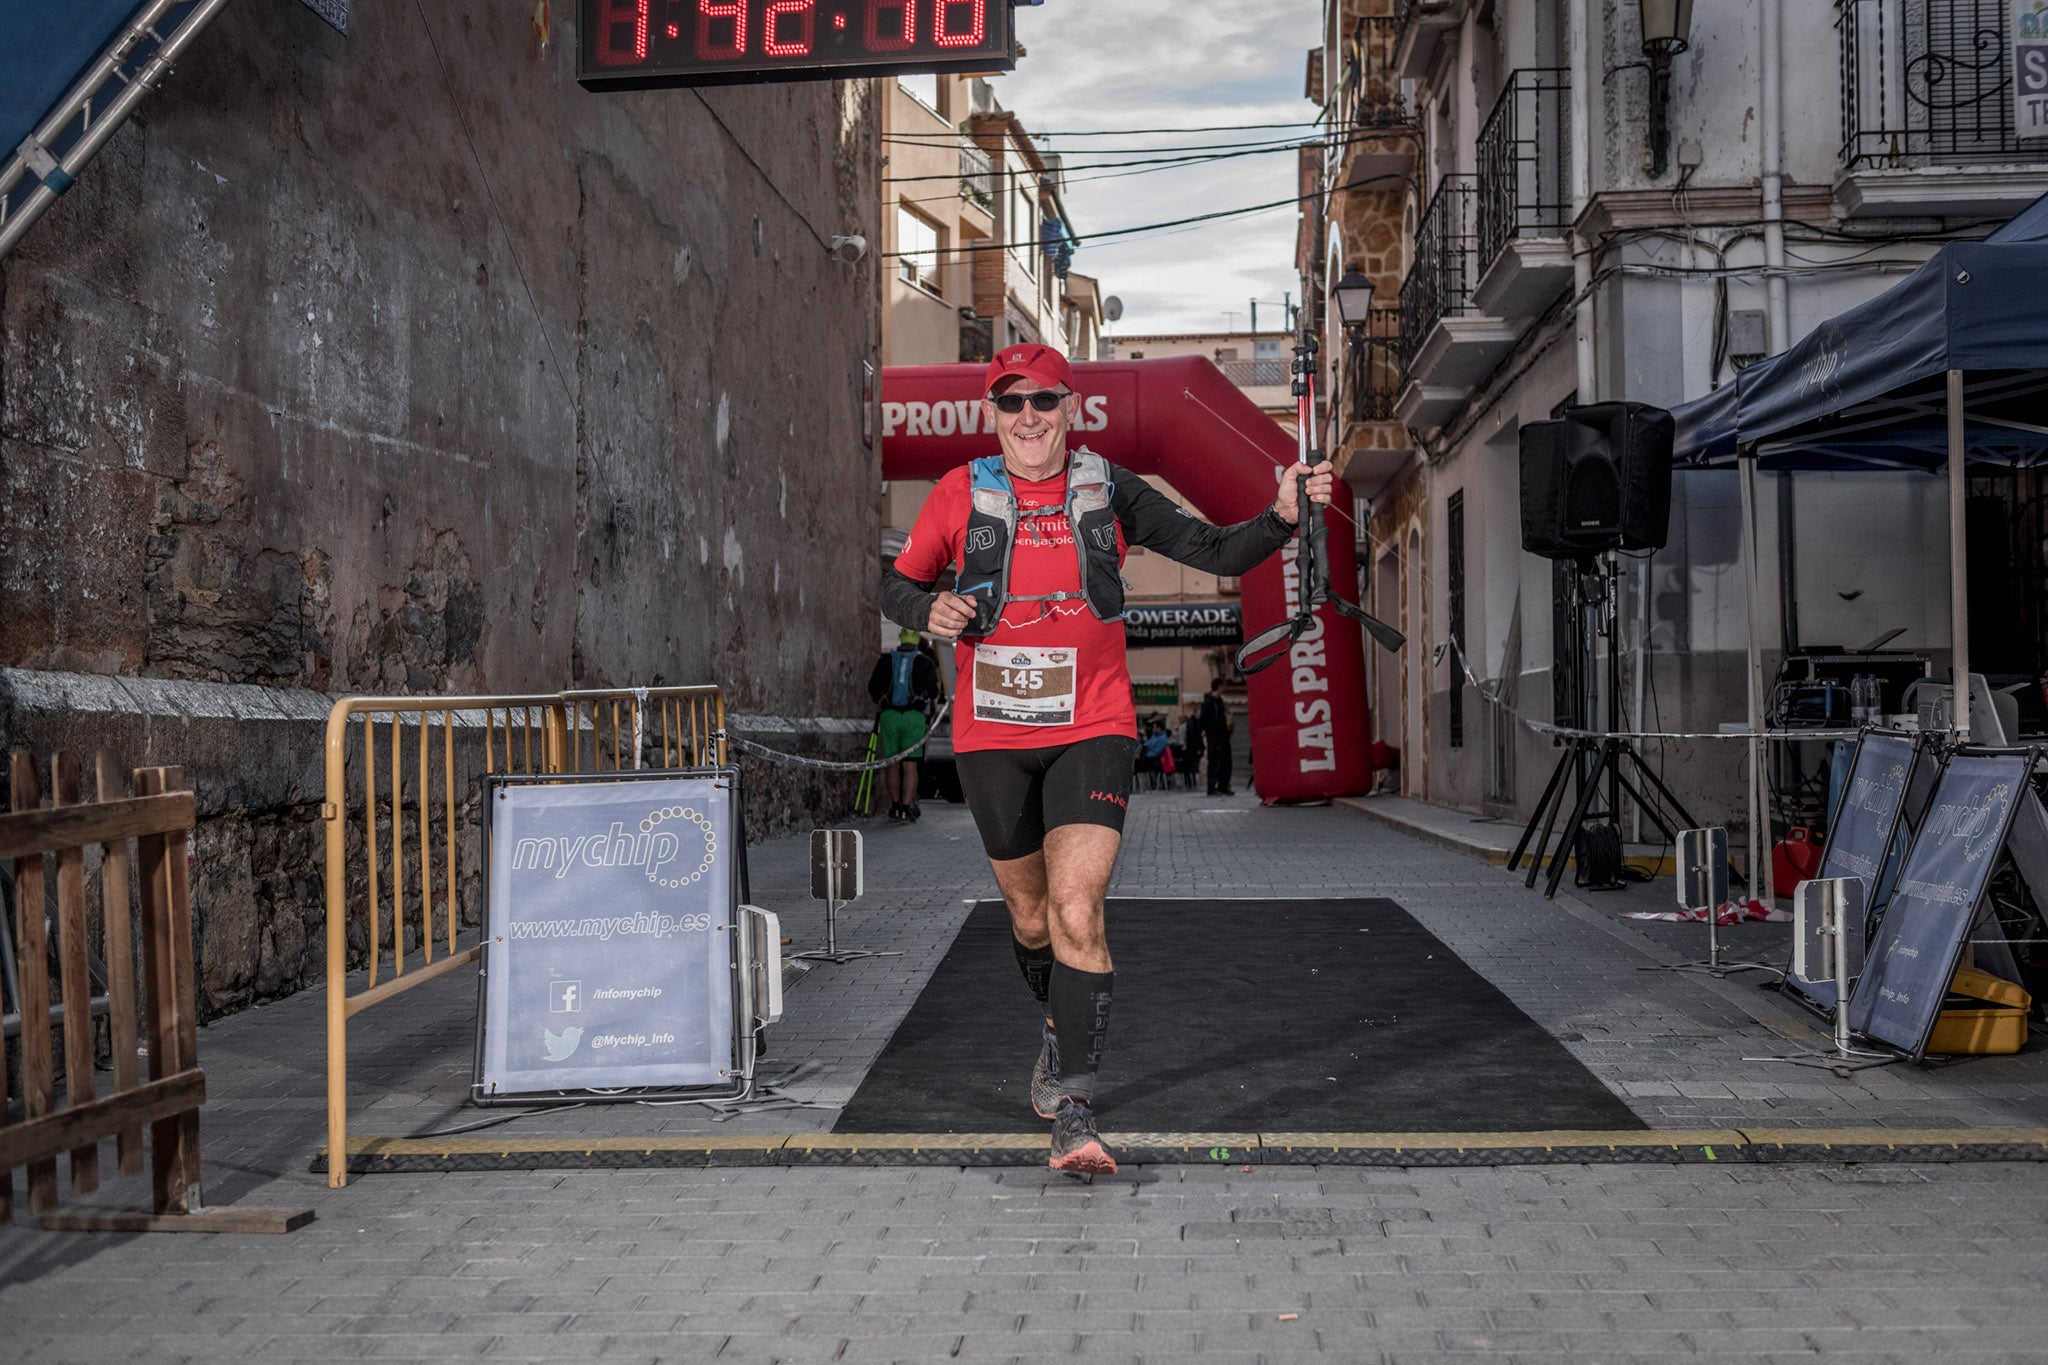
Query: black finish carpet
[(1247, 1015)]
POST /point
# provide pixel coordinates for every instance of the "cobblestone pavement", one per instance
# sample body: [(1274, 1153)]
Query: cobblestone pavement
[(1582, 1263)]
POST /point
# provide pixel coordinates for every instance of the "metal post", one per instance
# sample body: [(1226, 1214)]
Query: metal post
[(1746, 473), (1958, 567)]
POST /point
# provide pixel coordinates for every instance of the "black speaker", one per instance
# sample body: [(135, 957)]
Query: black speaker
[(1598, 478)]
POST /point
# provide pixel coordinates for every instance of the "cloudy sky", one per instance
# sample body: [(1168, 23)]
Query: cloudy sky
[(1120, 64)]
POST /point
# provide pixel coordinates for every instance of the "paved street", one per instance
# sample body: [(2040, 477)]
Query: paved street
[(1888, 1261)]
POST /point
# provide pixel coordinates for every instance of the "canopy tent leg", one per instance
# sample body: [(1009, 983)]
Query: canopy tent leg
[(1958, 571), (1759, 867)]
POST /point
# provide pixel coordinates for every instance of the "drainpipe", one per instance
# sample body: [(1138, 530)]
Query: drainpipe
[(1778, 335), (1777, 312), (1581, 62)]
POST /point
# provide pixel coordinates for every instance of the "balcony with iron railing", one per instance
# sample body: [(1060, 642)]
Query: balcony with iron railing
[(1373, 140), (1255, 374), (1373, 366), (1372, 88), (1449, 344), (1524, 195), (977, 177), (1929, 109), (1439, 282)]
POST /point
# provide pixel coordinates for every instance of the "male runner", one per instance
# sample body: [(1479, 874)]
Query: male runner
[(1044, 728)]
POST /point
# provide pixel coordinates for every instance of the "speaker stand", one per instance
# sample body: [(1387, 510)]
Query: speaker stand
[(1587, 759)]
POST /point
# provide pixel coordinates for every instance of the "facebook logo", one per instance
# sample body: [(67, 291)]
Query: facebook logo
[(565, 997)]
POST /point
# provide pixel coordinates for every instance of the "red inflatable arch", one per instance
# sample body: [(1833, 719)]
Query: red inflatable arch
[(1179, 418)]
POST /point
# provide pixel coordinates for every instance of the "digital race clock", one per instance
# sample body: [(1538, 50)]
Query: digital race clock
[(639, 44)]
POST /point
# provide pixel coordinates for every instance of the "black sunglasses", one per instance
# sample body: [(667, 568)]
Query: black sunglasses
[(1045, 400)]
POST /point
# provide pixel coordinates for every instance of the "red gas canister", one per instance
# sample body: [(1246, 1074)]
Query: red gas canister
[(1795, 859)]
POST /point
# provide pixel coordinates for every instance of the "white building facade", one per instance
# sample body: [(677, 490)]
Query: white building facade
[(1493, 171)]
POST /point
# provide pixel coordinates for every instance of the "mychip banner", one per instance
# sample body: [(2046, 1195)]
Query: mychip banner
[(611, 939), (1907, 966), (1864, 842)]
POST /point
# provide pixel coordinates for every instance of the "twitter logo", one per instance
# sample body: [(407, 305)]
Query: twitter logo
[(561, 1046)]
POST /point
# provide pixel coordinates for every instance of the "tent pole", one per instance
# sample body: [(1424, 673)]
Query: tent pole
[(1758, 869), (1958, 570)]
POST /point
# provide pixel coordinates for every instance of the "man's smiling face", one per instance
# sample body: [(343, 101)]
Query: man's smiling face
[(1033, 442)]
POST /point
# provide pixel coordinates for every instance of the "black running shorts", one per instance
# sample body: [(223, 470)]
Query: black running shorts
[(1018, 794)]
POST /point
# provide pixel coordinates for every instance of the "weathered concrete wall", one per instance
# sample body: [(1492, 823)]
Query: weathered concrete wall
[(397, 363)]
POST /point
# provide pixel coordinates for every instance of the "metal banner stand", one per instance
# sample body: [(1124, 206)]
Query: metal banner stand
[(1703, 885), (1830, 906), (836, 879)]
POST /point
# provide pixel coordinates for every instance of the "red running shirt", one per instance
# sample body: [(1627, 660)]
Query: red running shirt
[(1050, 673)]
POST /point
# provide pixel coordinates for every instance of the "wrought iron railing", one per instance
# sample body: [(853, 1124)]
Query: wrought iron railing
[(1373, 365), (977, 175), (1254, 374), (1372, 88), (1525, 161), (1439, 282), (1928, 82)]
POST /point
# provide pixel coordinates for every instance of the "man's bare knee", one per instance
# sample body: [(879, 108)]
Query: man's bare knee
[(1022, 882)]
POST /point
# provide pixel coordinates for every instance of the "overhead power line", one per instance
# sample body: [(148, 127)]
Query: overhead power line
[(1211, 128), (942, 143), (1084, 237), (1271, 149)]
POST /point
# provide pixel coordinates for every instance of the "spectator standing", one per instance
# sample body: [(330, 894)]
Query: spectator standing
[(1215, 718), (904, 684)]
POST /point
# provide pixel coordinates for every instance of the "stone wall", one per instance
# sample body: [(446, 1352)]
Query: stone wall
[(395, 362)]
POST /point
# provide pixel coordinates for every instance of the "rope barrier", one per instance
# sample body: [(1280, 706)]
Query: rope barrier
[(831, 765), (1541, 727)]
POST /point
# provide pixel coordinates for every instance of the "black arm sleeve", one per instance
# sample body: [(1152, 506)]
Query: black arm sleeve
[(1152, 520), (906, 601)]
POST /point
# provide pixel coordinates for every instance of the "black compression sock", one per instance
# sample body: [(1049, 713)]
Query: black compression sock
[(1036, 964), (1080, 1017)]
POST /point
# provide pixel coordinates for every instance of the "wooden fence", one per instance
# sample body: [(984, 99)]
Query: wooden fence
[(157, 818)]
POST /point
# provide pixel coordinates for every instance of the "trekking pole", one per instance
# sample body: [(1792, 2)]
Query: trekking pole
[(864, 794), (1311, 533)]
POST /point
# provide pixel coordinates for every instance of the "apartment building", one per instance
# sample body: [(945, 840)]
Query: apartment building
[(1526, 204)]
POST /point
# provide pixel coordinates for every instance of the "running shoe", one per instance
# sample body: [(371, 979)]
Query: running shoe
[(1045, 1084), (1076, 1147)]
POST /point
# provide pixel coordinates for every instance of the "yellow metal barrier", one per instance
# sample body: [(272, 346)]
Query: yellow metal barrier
[(405, 771)]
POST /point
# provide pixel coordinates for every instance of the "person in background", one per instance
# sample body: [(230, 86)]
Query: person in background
[(1152, 760), (1191, 747), (1215, 718), (904, 684)]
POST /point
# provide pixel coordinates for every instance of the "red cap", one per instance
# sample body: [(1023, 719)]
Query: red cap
[(1041, 364)]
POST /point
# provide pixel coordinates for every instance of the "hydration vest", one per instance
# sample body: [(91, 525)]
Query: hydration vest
[(992, 535), (901, 663)]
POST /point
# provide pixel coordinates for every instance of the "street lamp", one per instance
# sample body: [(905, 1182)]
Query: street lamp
[(1354, 299), (1667, 27)]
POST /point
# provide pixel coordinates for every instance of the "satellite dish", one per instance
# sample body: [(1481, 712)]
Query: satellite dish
[(1113, 308)]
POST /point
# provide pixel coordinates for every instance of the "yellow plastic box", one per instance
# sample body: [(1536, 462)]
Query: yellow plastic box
[(1993, 1021)]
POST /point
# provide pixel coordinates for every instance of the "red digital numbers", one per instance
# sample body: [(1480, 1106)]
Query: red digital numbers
[(892, 25), (774, 37), (947, 29), (725, 31), (710, 10), (618, 19)]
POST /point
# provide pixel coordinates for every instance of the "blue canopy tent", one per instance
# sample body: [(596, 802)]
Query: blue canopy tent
[(1946, 368)]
